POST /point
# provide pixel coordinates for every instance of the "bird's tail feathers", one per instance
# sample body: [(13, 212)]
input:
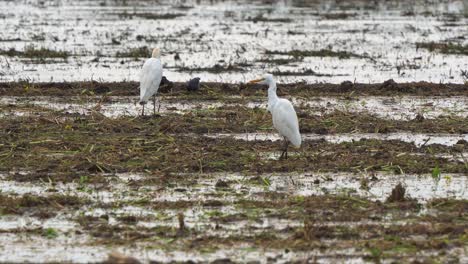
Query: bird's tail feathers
[(296, 140)]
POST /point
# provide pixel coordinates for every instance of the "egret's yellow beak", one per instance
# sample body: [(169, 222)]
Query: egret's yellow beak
[(257, 80)]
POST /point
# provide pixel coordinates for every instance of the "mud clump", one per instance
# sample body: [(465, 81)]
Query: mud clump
[(312, 231), (315, 53), (389, 84), (217, 68), (142, 52), (279, 61), (222, 261), (35, 53), (346, 85), (445, 48), (213, 203), (119, 258), (303, 72), (40, 205), (221, 185), (450, 205), (150, 16), (182, 230), (419, 118), (397, 195), (339, 16), (131, 219), (261, 18)]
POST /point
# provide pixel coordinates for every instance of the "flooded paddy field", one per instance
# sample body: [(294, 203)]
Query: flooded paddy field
[(84, 175), (380, 90), (229, 41)]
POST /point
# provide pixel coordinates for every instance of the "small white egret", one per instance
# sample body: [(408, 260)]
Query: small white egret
[(283, 114), (150, 78)]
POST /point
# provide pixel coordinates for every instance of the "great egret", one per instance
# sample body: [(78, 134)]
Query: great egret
[(150, 79), (283, 114)]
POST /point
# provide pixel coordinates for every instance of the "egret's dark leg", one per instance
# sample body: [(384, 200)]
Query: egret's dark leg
[(143, 110), (154, 104), (284, 154), (159, 104)]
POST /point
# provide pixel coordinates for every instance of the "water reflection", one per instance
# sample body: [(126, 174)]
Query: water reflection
[(418, 6)]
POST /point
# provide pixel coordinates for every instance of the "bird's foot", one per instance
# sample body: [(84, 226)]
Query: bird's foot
[(283, 156)]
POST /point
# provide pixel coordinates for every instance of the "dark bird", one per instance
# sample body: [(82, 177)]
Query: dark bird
[(165, 81), (194, 84)]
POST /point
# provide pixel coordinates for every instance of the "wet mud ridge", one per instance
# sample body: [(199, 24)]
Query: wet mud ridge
[(381, 176), (347, 88)]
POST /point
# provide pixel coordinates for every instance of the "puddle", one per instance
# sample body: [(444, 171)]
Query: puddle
[(225, 33), (394, 108), (420, 187), (417, 139), (113, 107), (9, 222), (226, 41), (63, 249), (73, 246), (37, 249), (203, 188)]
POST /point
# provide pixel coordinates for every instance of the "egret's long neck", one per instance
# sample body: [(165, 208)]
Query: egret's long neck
[(272, 96), (156, 54)]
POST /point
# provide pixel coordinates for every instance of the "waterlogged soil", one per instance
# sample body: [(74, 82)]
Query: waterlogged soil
[(237, 219), (381, 94), (236, 40), (215, 90), (156, 142), (85, 178)]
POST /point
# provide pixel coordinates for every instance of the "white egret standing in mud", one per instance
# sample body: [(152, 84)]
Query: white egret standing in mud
[(150, 78), (283, 114)]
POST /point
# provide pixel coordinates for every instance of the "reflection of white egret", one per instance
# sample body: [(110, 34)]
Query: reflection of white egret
[(283, 113), (150, 78)]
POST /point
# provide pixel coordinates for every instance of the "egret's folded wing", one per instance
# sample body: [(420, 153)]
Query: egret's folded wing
[(286, 122), (150, 78)]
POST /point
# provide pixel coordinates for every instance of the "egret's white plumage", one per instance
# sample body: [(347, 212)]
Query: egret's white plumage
[(150, 78), (283, 114)]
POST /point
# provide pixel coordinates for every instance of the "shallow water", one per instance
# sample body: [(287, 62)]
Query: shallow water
[(222, 33), (394, 108), (74, 244), (38, 249), (417, 138), (420, 187), (111, 107)]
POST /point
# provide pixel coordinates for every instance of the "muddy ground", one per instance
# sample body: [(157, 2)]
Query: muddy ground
[(380, 89), (235, 40), (203, 181), (212, 90)]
